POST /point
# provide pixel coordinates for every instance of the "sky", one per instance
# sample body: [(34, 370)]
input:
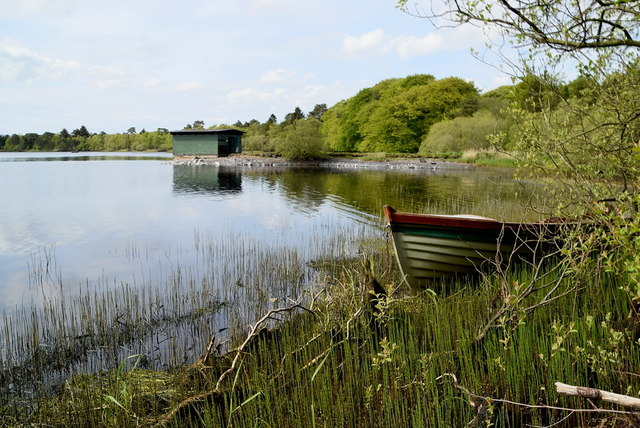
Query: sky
[(149, 64)]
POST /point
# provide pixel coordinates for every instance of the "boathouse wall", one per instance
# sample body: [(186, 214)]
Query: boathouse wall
[(210, 142)]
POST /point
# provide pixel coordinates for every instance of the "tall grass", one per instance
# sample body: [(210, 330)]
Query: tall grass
[(211, 290), (488, 157), (403, 359), (120, 354), (422, 367)]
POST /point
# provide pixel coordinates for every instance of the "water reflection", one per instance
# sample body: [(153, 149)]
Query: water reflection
[(488, 192), (82, 156), (206, 180)]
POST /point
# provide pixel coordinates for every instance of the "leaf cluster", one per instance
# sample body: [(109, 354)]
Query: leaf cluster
[(395, 114)]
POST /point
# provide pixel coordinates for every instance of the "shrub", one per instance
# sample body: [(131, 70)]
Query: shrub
[(462, 133), (301, 139)]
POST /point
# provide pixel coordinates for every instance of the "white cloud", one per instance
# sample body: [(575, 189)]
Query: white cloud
[(312, 92), (188, 86), (18, 63), (410, 46), (277, 76), (152, 83), (261, 6), (377, 42), (108, 77), (251, 95), (108, 83), (371, 41), (31, 7)]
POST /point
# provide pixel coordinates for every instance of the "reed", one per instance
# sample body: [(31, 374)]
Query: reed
[(402, 373), (355, 358), (211, 290)]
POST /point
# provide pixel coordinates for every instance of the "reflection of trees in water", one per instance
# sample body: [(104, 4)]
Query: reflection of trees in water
[(303, 187), (478, 191), (204, 179)]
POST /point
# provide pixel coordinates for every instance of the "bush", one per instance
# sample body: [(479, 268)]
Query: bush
[(300, 140), (462, 133)]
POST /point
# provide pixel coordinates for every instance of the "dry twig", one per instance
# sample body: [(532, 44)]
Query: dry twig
[(239, 351)]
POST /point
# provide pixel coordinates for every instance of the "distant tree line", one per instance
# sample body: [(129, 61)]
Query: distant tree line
[(82, 140), (416, 114)]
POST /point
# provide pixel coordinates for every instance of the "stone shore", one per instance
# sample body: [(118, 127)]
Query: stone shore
[(337, 163)]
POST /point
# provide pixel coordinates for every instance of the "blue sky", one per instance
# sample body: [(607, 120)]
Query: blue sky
[(148, 64)]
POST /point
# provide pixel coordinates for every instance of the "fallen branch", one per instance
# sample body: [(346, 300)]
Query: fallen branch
[(534, 406), (255, 329), (598, 394), (239, 352)]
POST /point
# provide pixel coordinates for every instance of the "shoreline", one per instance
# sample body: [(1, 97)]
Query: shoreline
[(332, 163)]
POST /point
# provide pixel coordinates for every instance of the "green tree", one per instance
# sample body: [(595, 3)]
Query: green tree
[(346, 123), (341, 128), (301, 139), (290, 118), (81, 132), (537, 93), (588, 137), (463, 133), (318, 111), (256, 136), (590, 141), (399, 122), (12, 143), (28, 142), (395, 114), (416, 80), (45, 142)]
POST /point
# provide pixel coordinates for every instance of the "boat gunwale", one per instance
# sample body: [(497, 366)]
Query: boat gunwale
[(452, 221)]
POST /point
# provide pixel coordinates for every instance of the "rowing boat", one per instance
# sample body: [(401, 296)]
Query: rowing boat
[(434, 247)]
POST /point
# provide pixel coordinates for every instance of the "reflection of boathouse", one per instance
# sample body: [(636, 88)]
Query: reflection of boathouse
[(207, 142), (205, 180)]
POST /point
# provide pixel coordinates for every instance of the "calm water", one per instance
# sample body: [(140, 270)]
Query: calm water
[(90, 211), (131, 235)]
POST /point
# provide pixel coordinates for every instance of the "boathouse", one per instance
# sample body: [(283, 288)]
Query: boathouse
[(207, 142)]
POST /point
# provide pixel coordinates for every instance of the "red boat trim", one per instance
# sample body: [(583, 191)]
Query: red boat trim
[(462, 222), (445, 221)]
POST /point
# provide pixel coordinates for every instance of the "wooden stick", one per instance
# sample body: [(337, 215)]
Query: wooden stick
[(598, 394)]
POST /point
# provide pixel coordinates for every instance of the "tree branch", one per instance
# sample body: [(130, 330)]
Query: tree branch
[(598, 394)]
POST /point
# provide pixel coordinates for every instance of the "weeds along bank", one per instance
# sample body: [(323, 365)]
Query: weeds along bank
[(351, 357)]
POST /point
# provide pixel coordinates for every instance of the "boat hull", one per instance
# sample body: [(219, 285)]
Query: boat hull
[(432, 247)]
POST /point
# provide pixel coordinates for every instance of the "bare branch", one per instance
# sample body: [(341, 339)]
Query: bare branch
[(556, 24), (598, 394), (534, 406)]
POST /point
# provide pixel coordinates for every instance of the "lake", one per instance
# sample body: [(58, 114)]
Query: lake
[(158, 257)]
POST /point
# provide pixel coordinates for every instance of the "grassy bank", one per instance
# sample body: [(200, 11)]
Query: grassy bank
[(489, 157), (349, 357)]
